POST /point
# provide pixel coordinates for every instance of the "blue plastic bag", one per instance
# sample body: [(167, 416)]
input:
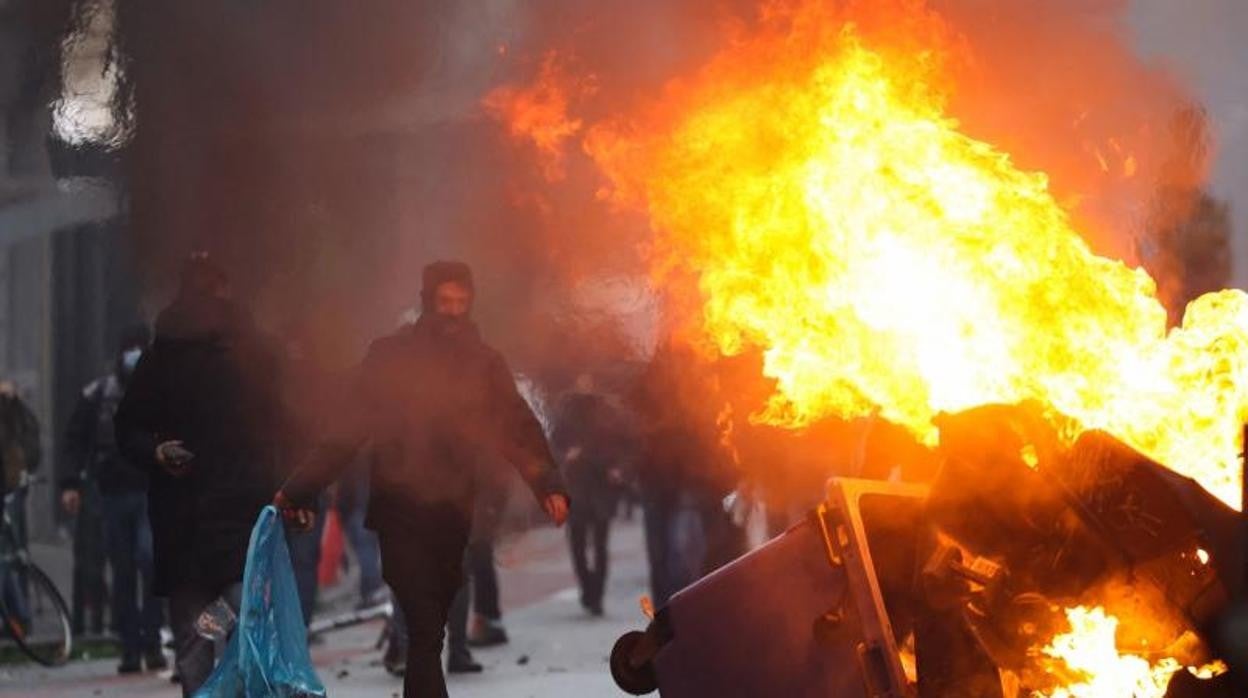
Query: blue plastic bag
[(268, 653)]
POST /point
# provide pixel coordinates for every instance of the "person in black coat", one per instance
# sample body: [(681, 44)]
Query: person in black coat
[(100, 478), (432, 401), (203, 416)]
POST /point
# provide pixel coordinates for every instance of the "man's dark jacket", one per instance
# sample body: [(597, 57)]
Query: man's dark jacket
[(91, 449), (211, 381), (433, 408), (586, 421), (19, 441)]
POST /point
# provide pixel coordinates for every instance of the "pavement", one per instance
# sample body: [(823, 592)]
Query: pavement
[(556, 649)]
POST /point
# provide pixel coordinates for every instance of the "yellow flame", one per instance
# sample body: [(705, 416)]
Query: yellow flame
[(834, 216), (1090, 651)]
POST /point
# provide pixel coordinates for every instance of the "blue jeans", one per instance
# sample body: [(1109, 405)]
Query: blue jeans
[(305, 559), (128, 535), (676, 545), (10, 586), (364, 543)]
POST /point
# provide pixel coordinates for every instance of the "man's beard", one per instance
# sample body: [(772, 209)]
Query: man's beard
[(449, 325)]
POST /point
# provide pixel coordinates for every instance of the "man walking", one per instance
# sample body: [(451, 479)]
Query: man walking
[(431, 399), (203, 415), (120, 488), (586, 440)]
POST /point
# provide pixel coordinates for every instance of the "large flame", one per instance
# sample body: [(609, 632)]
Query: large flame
[(835, 217), (1089, 652)]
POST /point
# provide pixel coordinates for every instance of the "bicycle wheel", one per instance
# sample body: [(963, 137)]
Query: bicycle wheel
[(35, 615)]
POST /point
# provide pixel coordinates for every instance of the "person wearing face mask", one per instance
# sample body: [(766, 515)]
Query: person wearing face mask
[(108, 495), (203, 416), (432, 401)]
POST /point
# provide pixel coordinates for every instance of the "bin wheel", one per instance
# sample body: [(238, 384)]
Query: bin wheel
[(634, 680)]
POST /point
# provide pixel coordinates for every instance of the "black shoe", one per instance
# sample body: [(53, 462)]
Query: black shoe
[(395, 658), (462, 663), (155, 660), (595, 609), (487, 634), (130, 665)]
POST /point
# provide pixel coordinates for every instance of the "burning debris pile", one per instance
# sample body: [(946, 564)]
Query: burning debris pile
[(1030, 568), (1093, 570)]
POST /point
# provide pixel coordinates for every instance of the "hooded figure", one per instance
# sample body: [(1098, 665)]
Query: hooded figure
[(203, 417), (432, 401)]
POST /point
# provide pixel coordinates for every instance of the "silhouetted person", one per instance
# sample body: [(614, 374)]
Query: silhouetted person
[(586, 439), (203, 415), (486, 628), (682, 473), (431, 398), (20, 454), (102, 477), (310, 389)]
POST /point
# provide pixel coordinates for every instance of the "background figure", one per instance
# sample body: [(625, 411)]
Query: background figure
[(90, 591), (586, 440), (683, 473), (352, 505), (101, 477), (203, 415), (486, 627), (19, 442), (305, 559), (459, 659), (310, 387), (20, 454)]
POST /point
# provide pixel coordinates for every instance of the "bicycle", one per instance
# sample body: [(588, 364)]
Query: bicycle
[(32, 611)]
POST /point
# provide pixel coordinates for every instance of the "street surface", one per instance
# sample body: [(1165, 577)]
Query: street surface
[(556, 649)]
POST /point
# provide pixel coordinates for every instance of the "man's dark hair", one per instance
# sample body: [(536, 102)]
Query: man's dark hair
[(137, 335), (201, 275), (442, 272)]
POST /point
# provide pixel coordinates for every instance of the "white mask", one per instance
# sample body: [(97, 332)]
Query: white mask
[(130, 359)]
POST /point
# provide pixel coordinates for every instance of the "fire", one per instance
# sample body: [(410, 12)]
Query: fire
[(1089, 652), (539, 113), (833, 215)]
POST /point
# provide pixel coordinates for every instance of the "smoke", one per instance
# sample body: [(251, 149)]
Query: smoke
[(1203, 43), (327, 153), (1058, 86)]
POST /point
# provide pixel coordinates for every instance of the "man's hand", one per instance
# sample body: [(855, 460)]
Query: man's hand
[(296, 518), (71, 501), (174, 458), (556, 506)]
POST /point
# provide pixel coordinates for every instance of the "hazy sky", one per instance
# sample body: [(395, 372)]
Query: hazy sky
[(1206, 43)]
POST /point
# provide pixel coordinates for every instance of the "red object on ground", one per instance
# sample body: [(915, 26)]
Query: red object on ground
[(331, 550)]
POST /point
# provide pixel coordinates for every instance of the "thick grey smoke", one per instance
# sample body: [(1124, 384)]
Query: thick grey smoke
[(1204, 42), (325, 153)]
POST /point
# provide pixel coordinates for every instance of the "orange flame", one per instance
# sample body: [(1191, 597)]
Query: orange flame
[(834, 216), (538, 113), (1090, 652)]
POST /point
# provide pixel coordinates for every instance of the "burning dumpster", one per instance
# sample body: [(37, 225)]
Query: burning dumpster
[(1030, 567)]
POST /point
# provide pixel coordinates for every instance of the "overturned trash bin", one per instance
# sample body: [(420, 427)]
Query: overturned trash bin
[(267, 656), (1032, 566), (802, 616)]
